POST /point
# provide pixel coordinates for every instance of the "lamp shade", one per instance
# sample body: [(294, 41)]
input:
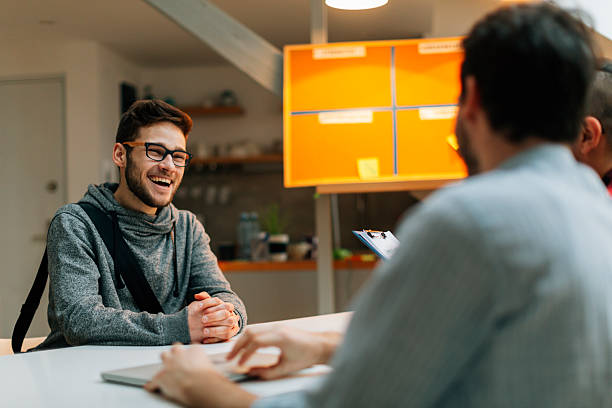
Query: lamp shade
[(355, 4)]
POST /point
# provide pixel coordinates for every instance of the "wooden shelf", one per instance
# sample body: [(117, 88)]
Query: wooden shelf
[(264, 158), (308, 265), (213, 111)]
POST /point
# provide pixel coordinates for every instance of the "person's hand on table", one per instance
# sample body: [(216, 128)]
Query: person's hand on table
[(211, 320), (299, 348), (219, 321), (189, 378)]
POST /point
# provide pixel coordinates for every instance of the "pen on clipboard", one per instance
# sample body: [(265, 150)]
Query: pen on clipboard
[(382, 243), (372, 232)]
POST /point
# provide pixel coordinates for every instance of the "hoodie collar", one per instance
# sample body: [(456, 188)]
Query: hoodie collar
[(102, 196)]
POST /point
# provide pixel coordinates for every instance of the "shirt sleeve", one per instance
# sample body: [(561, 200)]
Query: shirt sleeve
[(419, 322), (207, 276), (77, 306)]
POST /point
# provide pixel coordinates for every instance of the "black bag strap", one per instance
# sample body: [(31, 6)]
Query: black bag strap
[(28, 309), (130, 271), (134, 278)]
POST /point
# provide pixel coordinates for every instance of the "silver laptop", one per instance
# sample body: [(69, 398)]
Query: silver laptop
[(140, 375)]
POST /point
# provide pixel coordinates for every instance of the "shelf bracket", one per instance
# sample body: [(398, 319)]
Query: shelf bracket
[(318, 22), (241, 46), (325, 258), (323, 208)]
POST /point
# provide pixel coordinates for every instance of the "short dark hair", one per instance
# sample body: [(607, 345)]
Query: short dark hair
[(149, 112), (533, 65), (600, 102)]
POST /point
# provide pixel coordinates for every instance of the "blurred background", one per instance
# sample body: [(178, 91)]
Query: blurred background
[(67, 70)]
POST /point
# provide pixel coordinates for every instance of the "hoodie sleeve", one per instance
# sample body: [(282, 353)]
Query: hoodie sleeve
[(206, 275), (76, 306)]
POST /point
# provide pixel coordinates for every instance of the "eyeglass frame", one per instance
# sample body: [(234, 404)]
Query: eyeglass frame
[(166, 152)]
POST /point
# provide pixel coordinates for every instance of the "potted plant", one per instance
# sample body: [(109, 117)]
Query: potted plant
[(275, 226)]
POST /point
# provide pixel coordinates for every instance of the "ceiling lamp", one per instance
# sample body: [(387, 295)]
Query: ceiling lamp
[(355, 4)]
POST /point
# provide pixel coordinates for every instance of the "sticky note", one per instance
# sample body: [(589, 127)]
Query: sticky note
[(352, 116), (439, 113), (440, 47), (335, 52), (368, 168), (452, 141)]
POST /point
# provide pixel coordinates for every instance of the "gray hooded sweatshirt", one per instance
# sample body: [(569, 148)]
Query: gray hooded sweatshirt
[(86, 305)]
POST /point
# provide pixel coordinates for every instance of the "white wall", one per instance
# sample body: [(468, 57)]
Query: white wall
[(77, 62), (600, 11), (92, 75)]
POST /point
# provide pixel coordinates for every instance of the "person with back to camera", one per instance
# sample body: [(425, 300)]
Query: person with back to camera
[(499, 295)]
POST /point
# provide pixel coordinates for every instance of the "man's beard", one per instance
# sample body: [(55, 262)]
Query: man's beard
[(138, 189), (465, 148)]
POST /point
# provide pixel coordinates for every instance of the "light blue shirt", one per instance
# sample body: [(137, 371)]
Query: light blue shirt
[(499, 296)]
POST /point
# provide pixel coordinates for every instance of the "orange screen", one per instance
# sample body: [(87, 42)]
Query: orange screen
[(393, 101)]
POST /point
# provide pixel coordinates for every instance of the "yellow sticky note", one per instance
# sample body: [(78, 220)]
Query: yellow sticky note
[(452, 141), (368, 168)]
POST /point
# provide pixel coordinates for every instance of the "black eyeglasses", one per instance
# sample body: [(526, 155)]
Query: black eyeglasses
[(158, 152)]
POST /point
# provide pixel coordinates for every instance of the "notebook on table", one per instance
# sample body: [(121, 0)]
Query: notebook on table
[(140, 375)]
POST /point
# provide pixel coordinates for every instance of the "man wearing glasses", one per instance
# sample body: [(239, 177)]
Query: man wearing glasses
[(594, 146), (89, 300)]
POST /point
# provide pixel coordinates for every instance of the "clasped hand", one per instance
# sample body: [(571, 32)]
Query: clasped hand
[(211, 320)]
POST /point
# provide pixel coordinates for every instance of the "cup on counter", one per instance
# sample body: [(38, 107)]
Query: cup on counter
[(277, 247), (298, 251)]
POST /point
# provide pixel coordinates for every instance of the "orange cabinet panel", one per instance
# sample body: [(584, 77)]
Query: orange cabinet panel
[(341, 83), (426, 79), (389, 81), (422, 147), (328, 153)]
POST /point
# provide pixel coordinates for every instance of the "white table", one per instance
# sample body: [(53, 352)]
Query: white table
[(70, 377)]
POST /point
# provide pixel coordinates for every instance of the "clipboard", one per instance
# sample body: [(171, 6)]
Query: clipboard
[(382, 243)]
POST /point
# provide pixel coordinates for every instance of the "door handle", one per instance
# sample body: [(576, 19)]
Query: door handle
[(51, 186)]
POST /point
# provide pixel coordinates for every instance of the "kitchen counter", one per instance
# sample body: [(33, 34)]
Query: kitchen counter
[(305, 265)]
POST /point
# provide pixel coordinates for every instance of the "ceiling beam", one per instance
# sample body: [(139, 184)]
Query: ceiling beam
[(238, 44), (318, 22)]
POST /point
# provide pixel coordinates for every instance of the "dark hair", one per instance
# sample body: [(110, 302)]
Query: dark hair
[(600, 102), (533, 65), (149, 112)]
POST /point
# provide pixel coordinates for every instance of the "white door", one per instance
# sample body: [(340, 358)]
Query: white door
[(32, 186)]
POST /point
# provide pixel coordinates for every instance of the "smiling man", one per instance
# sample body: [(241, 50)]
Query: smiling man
[(92, 298)]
